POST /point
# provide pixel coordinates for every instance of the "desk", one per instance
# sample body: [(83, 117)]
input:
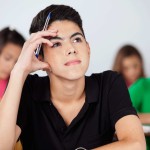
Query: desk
[(146, 129)]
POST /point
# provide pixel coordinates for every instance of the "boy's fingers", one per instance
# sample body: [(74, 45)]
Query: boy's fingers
[(40, 34), (33, 45)]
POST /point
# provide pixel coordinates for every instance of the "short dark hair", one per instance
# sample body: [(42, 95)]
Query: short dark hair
[(10, 36), (58, 12)]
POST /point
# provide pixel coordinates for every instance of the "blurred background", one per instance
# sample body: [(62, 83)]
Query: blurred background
[(108, 25)]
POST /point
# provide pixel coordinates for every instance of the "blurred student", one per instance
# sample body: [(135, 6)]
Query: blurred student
[(129, 63), (140, 96), (11, 43)]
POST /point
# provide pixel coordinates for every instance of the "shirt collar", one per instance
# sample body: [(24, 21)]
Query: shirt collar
[(43, 94), (91, 89)]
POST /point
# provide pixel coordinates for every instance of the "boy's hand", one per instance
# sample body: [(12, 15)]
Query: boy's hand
[(27, 61)]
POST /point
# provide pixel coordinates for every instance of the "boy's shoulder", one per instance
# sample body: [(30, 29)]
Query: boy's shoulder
[(36, 79), (36, 85), (105, 76), (103, 80)]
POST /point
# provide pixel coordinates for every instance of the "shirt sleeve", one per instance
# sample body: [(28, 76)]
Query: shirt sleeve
[(136, 93), (119, 100)]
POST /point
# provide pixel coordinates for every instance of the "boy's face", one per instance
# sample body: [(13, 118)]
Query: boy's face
[(70, 53)]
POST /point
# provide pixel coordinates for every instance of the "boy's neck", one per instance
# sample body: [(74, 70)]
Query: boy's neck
[(67, 91)]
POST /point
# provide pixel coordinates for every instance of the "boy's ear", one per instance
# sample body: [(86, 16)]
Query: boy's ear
[(88, 48)]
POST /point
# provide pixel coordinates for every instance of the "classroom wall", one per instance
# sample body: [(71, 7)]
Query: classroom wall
[(108, 24)]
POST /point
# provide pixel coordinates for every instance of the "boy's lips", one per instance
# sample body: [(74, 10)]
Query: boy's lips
[(72, 62)]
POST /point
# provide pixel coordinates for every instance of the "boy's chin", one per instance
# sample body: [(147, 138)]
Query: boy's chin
[(68, 77), (76, 76)]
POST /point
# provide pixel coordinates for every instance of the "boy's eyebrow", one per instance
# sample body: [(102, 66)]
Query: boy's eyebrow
[(60, 38), (77, 33)]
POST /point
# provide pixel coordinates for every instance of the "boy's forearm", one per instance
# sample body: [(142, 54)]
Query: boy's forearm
[(9, 108), (123, 145)]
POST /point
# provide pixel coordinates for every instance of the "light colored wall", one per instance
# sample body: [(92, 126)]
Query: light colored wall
[(108, 24)]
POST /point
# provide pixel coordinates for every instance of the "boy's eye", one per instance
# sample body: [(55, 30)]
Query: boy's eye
[(77, 40), (56, 45)]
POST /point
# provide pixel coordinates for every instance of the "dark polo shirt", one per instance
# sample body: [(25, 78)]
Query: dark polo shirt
[(43, 128)]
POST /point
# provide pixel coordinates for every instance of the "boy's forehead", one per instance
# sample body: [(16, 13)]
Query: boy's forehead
[(65, 28)]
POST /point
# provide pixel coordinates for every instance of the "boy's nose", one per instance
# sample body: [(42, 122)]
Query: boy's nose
[(72, 52)]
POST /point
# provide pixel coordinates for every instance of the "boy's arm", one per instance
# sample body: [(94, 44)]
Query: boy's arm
[(9, 109), (130, 135), (9, 105)]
